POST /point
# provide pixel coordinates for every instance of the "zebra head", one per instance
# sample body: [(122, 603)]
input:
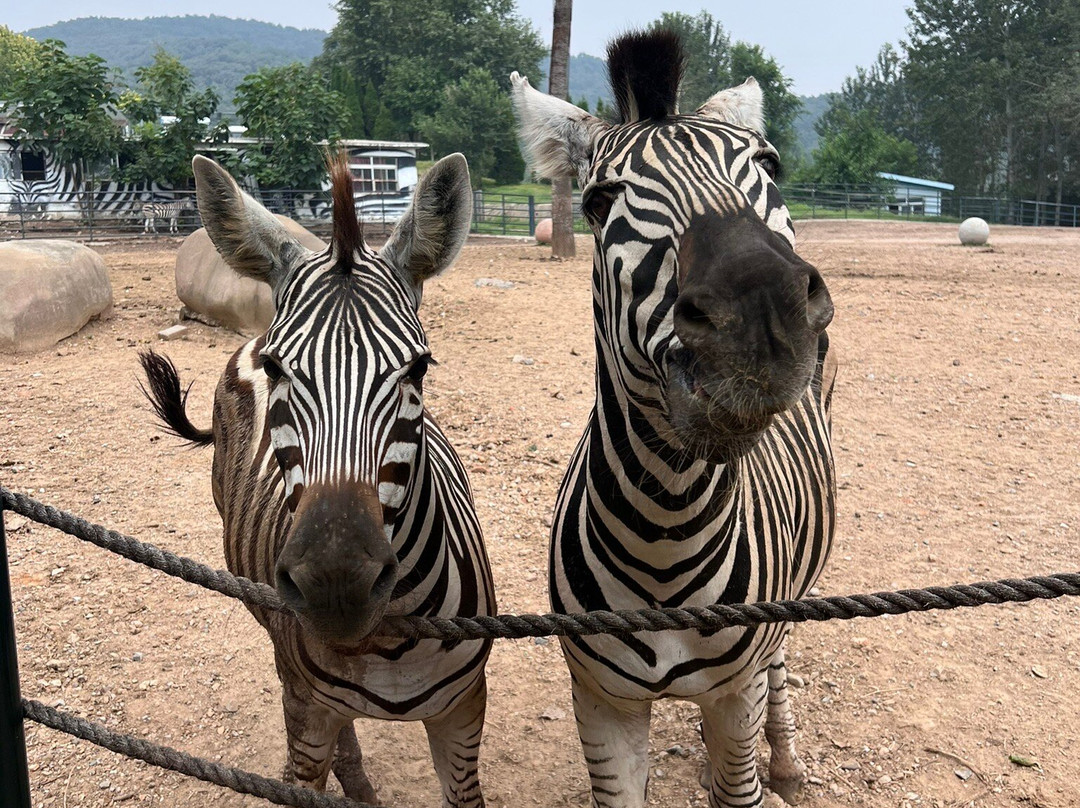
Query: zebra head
[(344, 361), (707, 321)]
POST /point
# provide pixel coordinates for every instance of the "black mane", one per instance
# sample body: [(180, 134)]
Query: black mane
[(645, 69)]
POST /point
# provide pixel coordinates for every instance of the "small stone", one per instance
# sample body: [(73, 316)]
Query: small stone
[(553, 714), (172, 332), (494, 283), (522, 360), (546, 520), (104, 784), (911, 796), (815, 592), (541, 640), (14, 523), (884, 780), (137, 656), (658, 774), (850, 765), (815, 781), (964, 773), (1039, 671), (956, 363), (566, 425)]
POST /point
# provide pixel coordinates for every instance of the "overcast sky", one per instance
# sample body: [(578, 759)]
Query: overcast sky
[(817, 43)]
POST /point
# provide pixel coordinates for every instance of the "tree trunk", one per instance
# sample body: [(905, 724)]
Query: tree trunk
[(562, 209)]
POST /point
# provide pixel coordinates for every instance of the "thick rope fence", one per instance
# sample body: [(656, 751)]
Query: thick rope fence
[(510, 626)]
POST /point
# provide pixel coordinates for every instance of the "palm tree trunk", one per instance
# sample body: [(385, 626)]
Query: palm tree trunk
[(562, 210)]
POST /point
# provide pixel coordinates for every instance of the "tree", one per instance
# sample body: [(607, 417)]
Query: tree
[(781, 105), (708, 55), (411, 50), (294, 111), (18, 54), (475, 117), (65, 104), (169, 119), (856, 148), (562, 208)]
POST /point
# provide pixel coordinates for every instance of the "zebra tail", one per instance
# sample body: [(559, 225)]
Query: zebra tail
[(168, 400)]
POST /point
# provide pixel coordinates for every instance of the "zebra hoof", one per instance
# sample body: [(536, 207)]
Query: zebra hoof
[(770, 799), (790, 790)]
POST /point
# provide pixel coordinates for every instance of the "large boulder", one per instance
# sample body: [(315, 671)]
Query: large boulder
[(211, 290), (49, 289)]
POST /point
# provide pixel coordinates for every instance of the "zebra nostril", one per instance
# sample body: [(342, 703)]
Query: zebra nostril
[(385, 582), (690, 315), (287, 588)]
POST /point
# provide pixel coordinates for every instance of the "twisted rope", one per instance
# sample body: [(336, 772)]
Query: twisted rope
[(167, 758), (510, 626)]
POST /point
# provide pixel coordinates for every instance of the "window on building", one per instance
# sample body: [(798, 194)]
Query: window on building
[(33, 166)]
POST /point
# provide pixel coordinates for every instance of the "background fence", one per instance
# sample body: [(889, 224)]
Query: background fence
[(104, 214)]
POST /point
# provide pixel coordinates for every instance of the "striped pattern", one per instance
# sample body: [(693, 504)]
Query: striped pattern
[(336, 486), (640, 521), (356, 342), (170, 211)]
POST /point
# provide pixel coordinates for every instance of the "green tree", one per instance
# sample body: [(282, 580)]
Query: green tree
[(782, 106), (294, 111), (475, 117), (856, 148), (161, 151), (411, 50), (64, 104), (708, 55), (18, 54)]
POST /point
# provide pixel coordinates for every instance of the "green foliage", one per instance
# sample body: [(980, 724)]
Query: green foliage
[(412, 50), (294, 110), (475, 117), (64, 105), (708, 52), (18, 54), (713, 63), (218, 51), (856, 148), (159, 152), (363, 107)]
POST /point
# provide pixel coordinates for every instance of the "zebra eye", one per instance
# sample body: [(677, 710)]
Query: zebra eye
[(419, 369), (596, 205), (272, 369), (770, 163)]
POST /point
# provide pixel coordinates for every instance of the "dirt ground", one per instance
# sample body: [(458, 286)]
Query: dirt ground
[(956, 418)]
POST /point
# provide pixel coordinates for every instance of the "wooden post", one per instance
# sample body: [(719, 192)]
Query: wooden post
[(562, 206)]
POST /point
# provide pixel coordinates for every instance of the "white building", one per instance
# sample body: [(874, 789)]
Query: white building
[(914, 195)]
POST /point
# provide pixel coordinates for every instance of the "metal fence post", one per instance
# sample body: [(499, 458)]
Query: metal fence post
[(22, 216), (14, 776), (532, 215)]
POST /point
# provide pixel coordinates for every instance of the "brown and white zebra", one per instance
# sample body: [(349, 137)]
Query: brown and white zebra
[(705, 472), (336, 486)]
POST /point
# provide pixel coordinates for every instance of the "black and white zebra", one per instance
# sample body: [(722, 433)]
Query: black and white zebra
[(335, 485), (705, 472), (170, 211)]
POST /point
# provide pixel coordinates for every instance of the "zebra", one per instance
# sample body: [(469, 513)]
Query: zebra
[(171, 210), (705, 472), (336, 486)]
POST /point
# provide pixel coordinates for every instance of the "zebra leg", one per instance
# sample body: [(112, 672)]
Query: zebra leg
[(312, 736), (730, 727), (454, 738), (787, 774), (348, 767), (615, 740)]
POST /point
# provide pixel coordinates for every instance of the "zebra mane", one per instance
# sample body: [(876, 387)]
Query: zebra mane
[(348, 236), (645, 69)]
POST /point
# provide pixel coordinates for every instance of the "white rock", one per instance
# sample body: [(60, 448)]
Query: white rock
[(974, 232)]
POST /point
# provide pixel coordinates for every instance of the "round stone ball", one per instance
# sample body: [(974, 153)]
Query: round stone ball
[(974, 231), (543, 231)]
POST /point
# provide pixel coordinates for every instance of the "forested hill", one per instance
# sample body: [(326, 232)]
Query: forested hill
[(219, 51)]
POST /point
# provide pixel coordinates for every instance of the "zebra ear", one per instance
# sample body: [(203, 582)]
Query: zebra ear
[(245, 233), (743, 106), (429, 236), (557, 137)]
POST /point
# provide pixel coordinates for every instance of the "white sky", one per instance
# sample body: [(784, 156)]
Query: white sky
[(817, 43)]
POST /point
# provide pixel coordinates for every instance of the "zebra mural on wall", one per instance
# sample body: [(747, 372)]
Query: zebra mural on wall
[(335, 485), (705, 472)]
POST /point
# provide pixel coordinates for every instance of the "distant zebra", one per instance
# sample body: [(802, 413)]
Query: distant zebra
[(705, 472), (335, 485), (152, 211)]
